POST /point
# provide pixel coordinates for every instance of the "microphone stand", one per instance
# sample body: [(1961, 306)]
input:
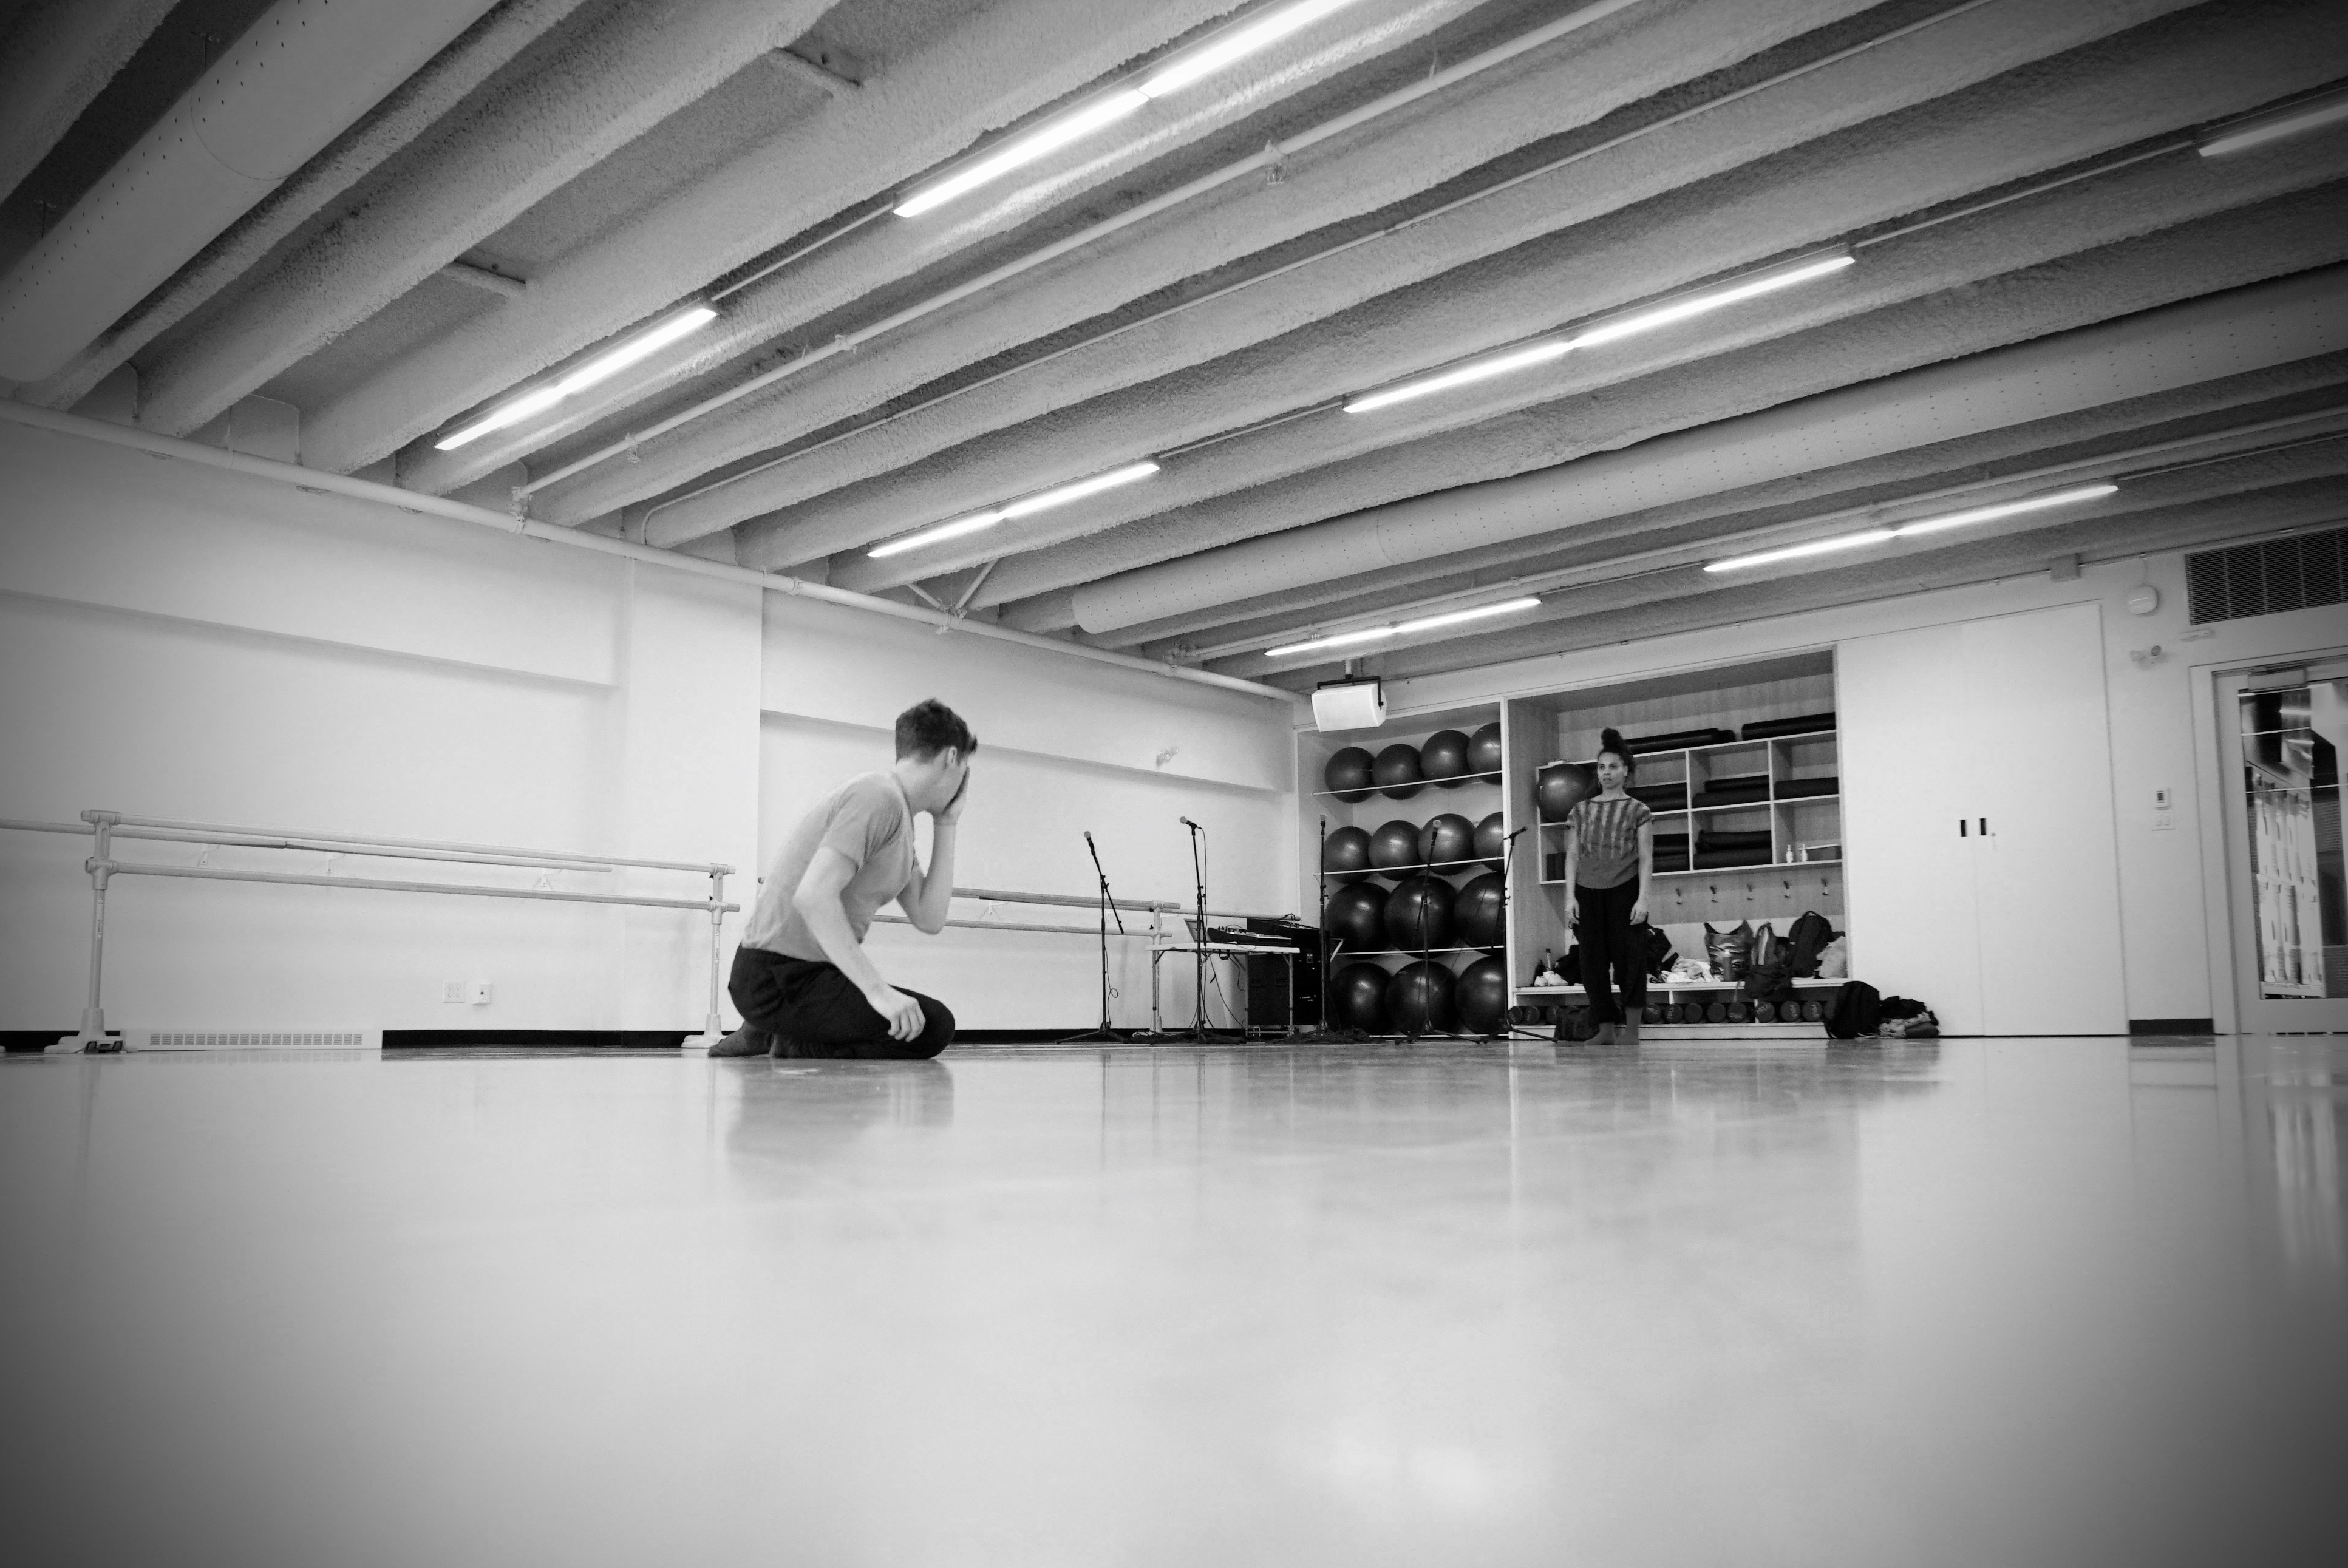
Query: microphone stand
[(1104, 1033), (1199, 1030)]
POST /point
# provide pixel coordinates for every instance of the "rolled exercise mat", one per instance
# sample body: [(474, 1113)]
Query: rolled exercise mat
[(1715, 1013), (1802, 789), (1678, 740), (1660, 796), (1671, 859), (1722, 842), (1813, 1010), (1739, 1013), (1725, 859), (1806, 724), (1742, 789), (1764, 1013)]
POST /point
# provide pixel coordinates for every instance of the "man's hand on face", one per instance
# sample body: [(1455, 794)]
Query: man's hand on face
[(950, 813)]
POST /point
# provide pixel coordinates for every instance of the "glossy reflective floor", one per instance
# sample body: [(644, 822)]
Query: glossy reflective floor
[(2060, 1302)]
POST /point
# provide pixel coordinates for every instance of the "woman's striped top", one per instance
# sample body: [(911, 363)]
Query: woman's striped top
[(1606, 839)]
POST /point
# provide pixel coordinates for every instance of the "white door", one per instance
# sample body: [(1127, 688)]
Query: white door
[(1906, 733), (2281, 739), (2044, 839)]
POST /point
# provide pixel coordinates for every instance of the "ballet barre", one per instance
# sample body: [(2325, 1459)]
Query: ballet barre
[(105, 827)]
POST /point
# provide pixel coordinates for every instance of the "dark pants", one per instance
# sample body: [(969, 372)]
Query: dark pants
[(1611, 949), (813, 1010)]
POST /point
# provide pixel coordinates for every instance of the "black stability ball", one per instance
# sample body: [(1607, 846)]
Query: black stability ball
[(1492, 844), (1345, 854), (1397, 772), (1357, 998), (1482, 995), (1394, 848), (1445, 841), (1561, 787), (1420, 998), (1484, 750), (1418, 915), (1348, 773), (1356, 916), (1479, 913), (1443, 758)]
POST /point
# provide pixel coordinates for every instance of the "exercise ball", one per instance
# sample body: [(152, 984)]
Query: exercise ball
[(1348, 773), (1421, 998), (1492, 844), (1447, 841), (1479, 913), (1397, 771), (1355, 917), (1345, 855), (1357, 998), (1561, 787), (1443, 758), (1484, 750), (1394, 848), (1481, 993), (1418, 915)]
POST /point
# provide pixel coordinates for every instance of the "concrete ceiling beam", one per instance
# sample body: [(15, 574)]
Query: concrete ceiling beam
[(1572, 82), (850, 270), (1867, 175), (632, 67), (1674, 569), (1963, 563), (58, 56), (1802, 410), (413, 109), (2210, 417), (994, 66)]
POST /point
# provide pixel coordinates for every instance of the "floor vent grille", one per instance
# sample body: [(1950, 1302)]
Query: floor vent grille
[(2300, 571), (215, 1040)]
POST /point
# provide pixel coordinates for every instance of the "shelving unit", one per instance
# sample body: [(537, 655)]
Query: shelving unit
[(1795, 823), (1475, 797)]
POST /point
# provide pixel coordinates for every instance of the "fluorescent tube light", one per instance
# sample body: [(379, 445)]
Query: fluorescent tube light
[(1403, 628), (1025, 150), (1217, 53), (1473, 371), (1647, 318), (1027, 506), (953, 530), (603, 367), (2069, 497), (2330, 111), (2006, 510), (1606, 330), (1061, 495), (1794, 552)]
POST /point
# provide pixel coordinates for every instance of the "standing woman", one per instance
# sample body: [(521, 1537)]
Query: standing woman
[(1609, 870)]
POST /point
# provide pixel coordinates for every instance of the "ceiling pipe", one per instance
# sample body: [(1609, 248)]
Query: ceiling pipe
[(60, 55), (297, 79), (317, 482), (2293, 318)]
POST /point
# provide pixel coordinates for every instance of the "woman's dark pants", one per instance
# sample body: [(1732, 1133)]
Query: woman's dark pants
[(813, 1010), (1611, 950)]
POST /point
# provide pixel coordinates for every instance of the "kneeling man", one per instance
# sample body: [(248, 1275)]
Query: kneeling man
[(801, 977)]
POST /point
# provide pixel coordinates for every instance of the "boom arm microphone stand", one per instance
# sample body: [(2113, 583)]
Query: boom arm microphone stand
[(1104, 1033)]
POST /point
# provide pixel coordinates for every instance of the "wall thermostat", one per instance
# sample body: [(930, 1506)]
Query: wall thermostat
[(2143, 599)]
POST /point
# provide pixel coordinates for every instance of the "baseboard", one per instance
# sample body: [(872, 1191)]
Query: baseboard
[(2172, 1026), (562, 1039)]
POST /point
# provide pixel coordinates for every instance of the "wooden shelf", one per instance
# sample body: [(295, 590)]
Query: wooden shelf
[(1375, 790)]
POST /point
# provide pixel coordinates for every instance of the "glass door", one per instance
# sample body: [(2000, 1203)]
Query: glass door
[(2289, 734)]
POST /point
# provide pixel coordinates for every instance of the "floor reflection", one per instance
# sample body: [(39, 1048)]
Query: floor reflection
[(1960, 1302)]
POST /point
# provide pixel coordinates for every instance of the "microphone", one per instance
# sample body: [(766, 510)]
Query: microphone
[(1089, 841), (1188, 823)]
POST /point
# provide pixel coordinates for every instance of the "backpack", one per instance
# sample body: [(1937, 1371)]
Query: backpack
[(1857, 1010), (1729, 952), (1659, 954), (1805, 938)]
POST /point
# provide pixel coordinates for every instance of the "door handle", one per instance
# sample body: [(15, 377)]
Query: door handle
[(1960, 827), (1984, 827)]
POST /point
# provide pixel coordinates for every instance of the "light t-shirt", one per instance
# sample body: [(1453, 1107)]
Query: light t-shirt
[(867, 819), (1606, 840)]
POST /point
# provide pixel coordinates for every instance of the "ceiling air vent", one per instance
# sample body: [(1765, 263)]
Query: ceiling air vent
[(2302, 571)]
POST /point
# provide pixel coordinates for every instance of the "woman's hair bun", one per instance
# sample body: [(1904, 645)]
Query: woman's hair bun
[(1611, 740)]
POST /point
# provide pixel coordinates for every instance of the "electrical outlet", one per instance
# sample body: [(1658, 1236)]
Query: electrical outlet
[(2164, 822), (2160, 798), (478, 993), (452, 991)]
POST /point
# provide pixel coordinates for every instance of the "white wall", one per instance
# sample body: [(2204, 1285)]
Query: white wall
[(179, 641), (1064, 748), (2172, 906)]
